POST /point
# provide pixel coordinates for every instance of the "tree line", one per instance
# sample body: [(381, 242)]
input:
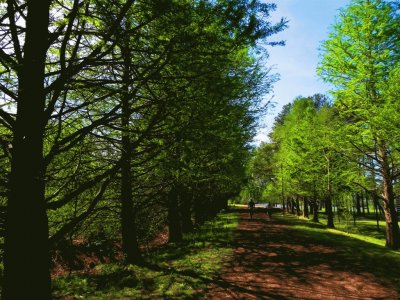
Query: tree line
[(121, 117), (342, 153)]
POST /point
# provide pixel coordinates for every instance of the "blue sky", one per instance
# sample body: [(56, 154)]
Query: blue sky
[(309, 25)]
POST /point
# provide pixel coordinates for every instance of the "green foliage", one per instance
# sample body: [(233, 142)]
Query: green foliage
[(359, 59), (261, 172), (306, 147)]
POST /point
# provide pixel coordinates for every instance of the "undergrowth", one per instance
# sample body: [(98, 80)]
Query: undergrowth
[(175, 271)]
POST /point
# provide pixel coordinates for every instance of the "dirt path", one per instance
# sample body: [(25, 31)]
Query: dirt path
[(272, 261)]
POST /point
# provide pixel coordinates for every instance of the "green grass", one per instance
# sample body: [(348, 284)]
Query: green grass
[(364, 228), (368, 253), (175, 271)]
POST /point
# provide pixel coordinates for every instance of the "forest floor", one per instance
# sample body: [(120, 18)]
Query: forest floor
[(290, 258), (234, 257)]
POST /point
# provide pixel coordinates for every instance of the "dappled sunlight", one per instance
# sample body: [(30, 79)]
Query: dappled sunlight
[(273, 261)]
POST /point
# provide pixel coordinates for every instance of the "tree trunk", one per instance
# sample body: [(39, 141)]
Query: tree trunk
[(199, 204), (391, 217), (315, 210), (199, 215), (186, 211), (315, 206), (338, 210), (328, 206), (26, 256), (130, 245), (329, 211), (358, 204), (292, 206), (367, 202), (305, 212), (298, 212), (174, 220), (362, 203), (375, 199)]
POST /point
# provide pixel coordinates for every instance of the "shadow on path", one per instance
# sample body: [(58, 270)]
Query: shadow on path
[(273, 261)]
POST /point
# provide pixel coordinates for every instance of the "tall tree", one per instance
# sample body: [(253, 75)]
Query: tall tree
[(358, 59), (306, 154), (26, 246), (40, 76)]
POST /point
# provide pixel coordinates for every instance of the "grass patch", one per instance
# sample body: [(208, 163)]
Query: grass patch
[(365, 253), (364, 228), (175, 271)]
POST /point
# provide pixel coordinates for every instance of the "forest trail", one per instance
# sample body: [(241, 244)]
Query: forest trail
[(273, 261)]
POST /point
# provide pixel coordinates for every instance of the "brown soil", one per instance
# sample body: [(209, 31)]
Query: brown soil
[(272, 261)]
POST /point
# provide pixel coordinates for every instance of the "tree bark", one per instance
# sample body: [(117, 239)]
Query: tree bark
[(375, 200), (367, 202), (174, 219), (26, 256), (186, 211), (315, 210), (305, 211), (329, 211), (199, 204), (315, 206), (298, 212), (291, 201), (362, 202), (358, 204), (130, 243), (328, 206), (391, 217)]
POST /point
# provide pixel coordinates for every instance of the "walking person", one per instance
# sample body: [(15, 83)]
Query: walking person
[(251, 206), (269, 209)]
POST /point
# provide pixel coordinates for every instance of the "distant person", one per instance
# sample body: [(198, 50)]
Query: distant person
[(251, 206), (269, 209)]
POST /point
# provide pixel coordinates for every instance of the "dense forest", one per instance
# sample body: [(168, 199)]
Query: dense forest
[(118, 118), (340, 154)]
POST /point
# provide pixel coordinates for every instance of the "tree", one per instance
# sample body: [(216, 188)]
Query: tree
[(37, 85), (27, 164), (217, 103), (304, 139), (358, 59)]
